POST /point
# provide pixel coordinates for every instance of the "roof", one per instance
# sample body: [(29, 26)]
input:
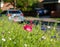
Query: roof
[(50, 1), (7, 6)]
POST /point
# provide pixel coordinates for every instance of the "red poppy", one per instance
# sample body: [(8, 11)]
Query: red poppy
[(28, 27)]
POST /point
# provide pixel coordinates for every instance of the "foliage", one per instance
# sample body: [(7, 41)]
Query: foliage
[(26, 2), (57, 19), (13, 35), (23, 3), (8, 0), (0, 10)]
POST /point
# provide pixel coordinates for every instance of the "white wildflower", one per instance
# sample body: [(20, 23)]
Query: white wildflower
[(58, 39), (5, 46), (51, 40), (48, 27), (9, 32), (3, 39), (54, 40), (43, 37), (10, 39), (14, 42), (54, 28), (25, 45)]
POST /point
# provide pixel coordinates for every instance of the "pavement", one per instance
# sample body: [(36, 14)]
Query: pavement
[(42, 19)]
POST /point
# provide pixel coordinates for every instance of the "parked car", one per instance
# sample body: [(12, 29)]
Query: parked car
[(15, 15), (41, 11)]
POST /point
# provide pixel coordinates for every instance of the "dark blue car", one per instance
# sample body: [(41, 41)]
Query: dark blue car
[(41, 11)]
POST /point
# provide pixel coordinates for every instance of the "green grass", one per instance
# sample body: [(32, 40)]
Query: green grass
[(13, 35), (57, 19)]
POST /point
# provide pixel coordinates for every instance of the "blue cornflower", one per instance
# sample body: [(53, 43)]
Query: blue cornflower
[(43, 28), (53, 36)]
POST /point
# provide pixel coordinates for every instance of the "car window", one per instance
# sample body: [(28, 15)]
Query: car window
[(14, 12)]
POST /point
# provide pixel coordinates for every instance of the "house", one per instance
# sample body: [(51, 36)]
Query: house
[(6, 5), (53, 6)]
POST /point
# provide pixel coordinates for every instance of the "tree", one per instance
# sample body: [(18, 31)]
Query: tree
[(8, 1), (25, 3), (22, 3)]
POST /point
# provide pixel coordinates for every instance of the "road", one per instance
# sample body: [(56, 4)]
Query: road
[(42, 19)]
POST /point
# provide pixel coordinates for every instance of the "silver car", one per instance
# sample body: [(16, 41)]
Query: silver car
[(15, 15)]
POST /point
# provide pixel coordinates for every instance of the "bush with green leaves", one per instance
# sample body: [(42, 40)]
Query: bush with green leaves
[(0, 10)]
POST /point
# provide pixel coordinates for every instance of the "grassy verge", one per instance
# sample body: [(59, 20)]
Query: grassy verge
[(57, 19), (13, 35)]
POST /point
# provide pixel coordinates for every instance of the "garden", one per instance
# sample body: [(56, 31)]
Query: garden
[(29, 33), (13, 34)]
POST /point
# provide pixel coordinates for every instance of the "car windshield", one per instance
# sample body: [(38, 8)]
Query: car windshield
[(14, 12)]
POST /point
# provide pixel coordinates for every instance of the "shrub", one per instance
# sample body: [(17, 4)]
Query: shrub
[(0, 10)]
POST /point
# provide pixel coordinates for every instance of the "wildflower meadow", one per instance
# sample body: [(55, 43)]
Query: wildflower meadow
[(13, 34)]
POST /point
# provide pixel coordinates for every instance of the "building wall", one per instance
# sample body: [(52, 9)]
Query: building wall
[(58, 7), (50, 0), (56, 13)]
